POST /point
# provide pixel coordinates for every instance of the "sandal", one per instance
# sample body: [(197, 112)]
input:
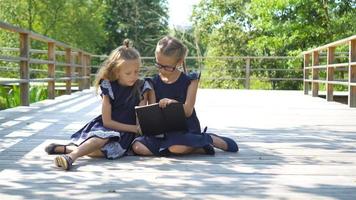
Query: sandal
[(51, 148), (64, 161), (231, 144)]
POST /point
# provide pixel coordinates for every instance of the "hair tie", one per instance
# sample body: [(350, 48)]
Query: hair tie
[(126, 43)]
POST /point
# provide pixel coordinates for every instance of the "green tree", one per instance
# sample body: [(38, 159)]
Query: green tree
[(144, 22), (268, 28), (223, 27), (285, 26), (195, 48), (76, 22)]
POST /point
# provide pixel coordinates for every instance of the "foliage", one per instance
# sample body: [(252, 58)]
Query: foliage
[(268, 28), (10, 95), (143, 22), (76, 22), (296, 25), (196, 49), (220, 28)]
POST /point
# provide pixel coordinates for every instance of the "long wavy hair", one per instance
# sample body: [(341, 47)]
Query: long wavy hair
[(113, 63)]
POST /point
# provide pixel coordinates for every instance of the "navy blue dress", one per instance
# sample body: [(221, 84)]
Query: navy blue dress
[(159, 145), (123, 104)]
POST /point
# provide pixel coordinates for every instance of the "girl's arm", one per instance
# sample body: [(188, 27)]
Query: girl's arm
[(149, 97), (191, 97), (189, 101), (109, 123)]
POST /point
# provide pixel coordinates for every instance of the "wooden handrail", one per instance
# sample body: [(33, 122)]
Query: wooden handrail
[(37, 36), (25, 61), (333, 44), (312, 69)]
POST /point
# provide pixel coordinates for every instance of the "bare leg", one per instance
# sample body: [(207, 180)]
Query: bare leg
[(69, 149), (141, 149), (181, 149), (96, 154), (90, 146)]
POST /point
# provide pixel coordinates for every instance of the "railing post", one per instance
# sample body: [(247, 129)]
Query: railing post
[(247, 72), (68, 70), (85, 73), (24, 68), (315, 74), (51, 70), (352, 73), (88, 61), (81, 72), (330, 74), (84, 65), (305, 74)]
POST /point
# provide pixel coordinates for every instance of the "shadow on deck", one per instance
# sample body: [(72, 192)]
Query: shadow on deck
[(292, 147)]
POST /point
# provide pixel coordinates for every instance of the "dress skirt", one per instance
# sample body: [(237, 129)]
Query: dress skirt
[(117, 145)]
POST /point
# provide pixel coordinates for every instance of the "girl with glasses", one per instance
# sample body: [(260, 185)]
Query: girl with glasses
[(171, 85)]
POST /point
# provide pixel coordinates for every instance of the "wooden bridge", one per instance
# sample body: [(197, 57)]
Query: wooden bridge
[(292, 146)]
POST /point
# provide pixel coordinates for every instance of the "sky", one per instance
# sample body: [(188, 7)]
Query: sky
[(180, 11)]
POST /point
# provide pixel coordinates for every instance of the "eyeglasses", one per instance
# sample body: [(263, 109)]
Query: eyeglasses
[(165, 67)]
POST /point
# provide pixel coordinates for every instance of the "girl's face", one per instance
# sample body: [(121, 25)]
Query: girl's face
[(166, 64), (127, 74)]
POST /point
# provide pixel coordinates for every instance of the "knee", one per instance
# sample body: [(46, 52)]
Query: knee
[(180, 149), (141, 149)]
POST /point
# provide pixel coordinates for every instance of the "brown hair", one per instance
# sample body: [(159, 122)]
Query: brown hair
[(114, 61), (171, 46)]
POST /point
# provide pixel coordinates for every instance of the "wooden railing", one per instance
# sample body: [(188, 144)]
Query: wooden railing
[(314, 67), (247, 68), (76, 65)]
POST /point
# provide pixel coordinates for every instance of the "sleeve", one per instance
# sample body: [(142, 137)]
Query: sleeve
[(146, 86), (105, 87), (194, 76)]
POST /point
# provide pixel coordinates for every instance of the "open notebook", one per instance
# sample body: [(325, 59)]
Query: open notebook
[(154, 120)]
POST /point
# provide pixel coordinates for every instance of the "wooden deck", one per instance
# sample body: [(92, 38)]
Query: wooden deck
[(292, 147)]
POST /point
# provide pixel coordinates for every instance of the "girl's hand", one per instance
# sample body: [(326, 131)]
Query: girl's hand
[(138, 130), (164, 102)]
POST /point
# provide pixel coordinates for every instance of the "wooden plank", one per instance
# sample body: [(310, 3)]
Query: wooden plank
[(10, 81), (86, 71), (156, 186), (338, 64), (291, 147), (319, 67), (89, 81), (352, 73), (333, 44), (330, 73), (12, 59), (51, 70), (68, 70), (24, 68), (12, 28), (315, 74), (272, 69), (81, 71), (35, 36), (42, 62), (247, 73)]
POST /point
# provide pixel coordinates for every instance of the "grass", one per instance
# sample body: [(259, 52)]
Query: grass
[(10, 95)]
